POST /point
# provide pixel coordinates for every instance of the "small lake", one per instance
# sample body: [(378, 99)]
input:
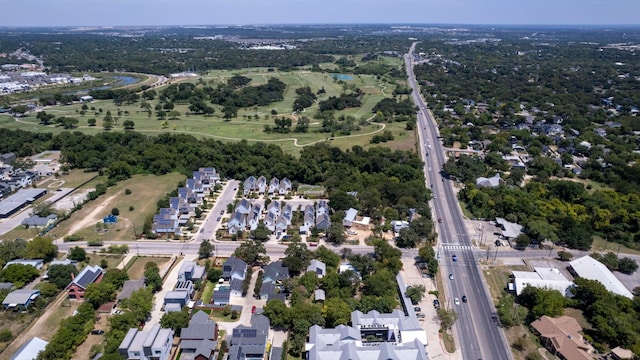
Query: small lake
[(342, 77), (123, 80)]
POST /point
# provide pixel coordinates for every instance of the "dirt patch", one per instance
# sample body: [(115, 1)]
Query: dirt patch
[(93, 217), (84, 350), (68, 202)]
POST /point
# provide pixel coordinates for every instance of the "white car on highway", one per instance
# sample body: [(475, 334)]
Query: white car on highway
[(456, 301)]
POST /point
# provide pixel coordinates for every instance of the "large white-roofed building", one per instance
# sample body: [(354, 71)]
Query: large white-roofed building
[(590, 268), (549, 278)]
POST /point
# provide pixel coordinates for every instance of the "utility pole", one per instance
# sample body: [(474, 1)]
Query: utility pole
[(496, 255), (488, 248)]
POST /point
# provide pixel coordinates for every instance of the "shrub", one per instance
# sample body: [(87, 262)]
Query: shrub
[(6, 335), (127, 191), (234, 314), (131, 208), (115, 212), (73, 238)]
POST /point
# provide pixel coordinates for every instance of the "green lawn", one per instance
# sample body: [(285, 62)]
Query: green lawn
[(600, 244), (207, 292), (136, 270), (245, 126)]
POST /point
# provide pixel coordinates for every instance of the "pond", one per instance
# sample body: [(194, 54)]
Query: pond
[(123, 80), (343, 77)]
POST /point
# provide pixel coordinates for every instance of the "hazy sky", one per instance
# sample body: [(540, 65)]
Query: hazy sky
[(218, 12)]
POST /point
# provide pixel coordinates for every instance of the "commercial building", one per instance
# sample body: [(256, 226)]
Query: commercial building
[(590, 268)]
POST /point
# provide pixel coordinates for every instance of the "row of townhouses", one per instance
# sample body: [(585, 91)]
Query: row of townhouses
[(260, 186), (277, 216), (181, 208)]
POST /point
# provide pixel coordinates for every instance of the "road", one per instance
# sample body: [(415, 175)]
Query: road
[(478, 335)]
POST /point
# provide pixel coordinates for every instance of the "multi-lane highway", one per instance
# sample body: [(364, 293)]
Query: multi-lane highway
[(479, 337)]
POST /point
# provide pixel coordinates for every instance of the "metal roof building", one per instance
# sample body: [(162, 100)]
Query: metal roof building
[(30, 349), (17, 201), (590, 268)]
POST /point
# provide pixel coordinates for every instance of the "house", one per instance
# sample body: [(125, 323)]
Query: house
[(30, 349), (222, 296), (79, 283), (8, 158), (177, 297), (492, 182), (619, 353), (371, 336), (254, 216), (237, 223), (236, 287), (186, 286), (20, 299), (284, 187), (398, 225), (274, 207), (270, 221), (509, 230), (166, 222), (562, 338), (322, 208), (250, 342), (234, 268), (274, 185), (190, 271), (549, 278), (590, 268), (199, 340), (129, 287), (152, 344), (319, 295), (349, 217), (318, 267), (282, 223), (261, 185), (36, 221), (323, 222), (86, 99), (36, 263), (273, 275), (249, 185)]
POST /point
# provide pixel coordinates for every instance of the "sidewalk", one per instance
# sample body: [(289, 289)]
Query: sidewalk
[(435, 346), (169, 283)]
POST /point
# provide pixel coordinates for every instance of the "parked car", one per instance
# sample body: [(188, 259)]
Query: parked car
[(417, 309), (253, 309), (222, 212), (436, 304), (420, 315), (97, 332)]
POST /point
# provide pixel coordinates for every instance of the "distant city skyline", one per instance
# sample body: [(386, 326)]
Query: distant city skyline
[(29, 13)]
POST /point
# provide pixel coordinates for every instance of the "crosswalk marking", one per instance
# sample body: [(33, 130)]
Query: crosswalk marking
[(457, 247)]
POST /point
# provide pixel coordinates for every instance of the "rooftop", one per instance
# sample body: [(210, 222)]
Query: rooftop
[(589, 268)]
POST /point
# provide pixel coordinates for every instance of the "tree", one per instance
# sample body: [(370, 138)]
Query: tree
[(542, 301), (48, 290), (278, 313), (335, 234), (522, 241), (415, 293), (41, 248), (330, 258), (214, 274), (565, 255), (336, 312), (100, 293), (627, 265), (407, 239), (60, 275), (509, 312), (297, 257), (129, 125), (115, 211), (91, 122), (19, 274), (206, 249), (153, 279), (447, 317), (107, 121), (20, 109), (261, 233), (117, 277), (175, 320), (77, 253), (251, 252)]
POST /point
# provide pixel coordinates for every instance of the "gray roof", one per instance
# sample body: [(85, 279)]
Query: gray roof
[(275, 271), (200, 328), (317, 267), (222, 296), (511, 230), (129, 287), (233, 264), (20, 297), (87, 276), (36, 220), (236, 284), (248, 340), (30, 349), (12, 203), (6, 286)]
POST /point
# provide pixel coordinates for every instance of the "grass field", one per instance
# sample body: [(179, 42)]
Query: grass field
[(600, 244), (146, 190), (96, 259), (136, 271), (245, 126)]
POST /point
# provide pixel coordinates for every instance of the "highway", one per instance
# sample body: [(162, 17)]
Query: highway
[(478, 336)]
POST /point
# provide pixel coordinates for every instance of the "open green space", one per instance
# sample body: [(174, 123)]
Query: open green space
[(602, 245), (136, 270), (250, 122), (96, 258), (146, 190)]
